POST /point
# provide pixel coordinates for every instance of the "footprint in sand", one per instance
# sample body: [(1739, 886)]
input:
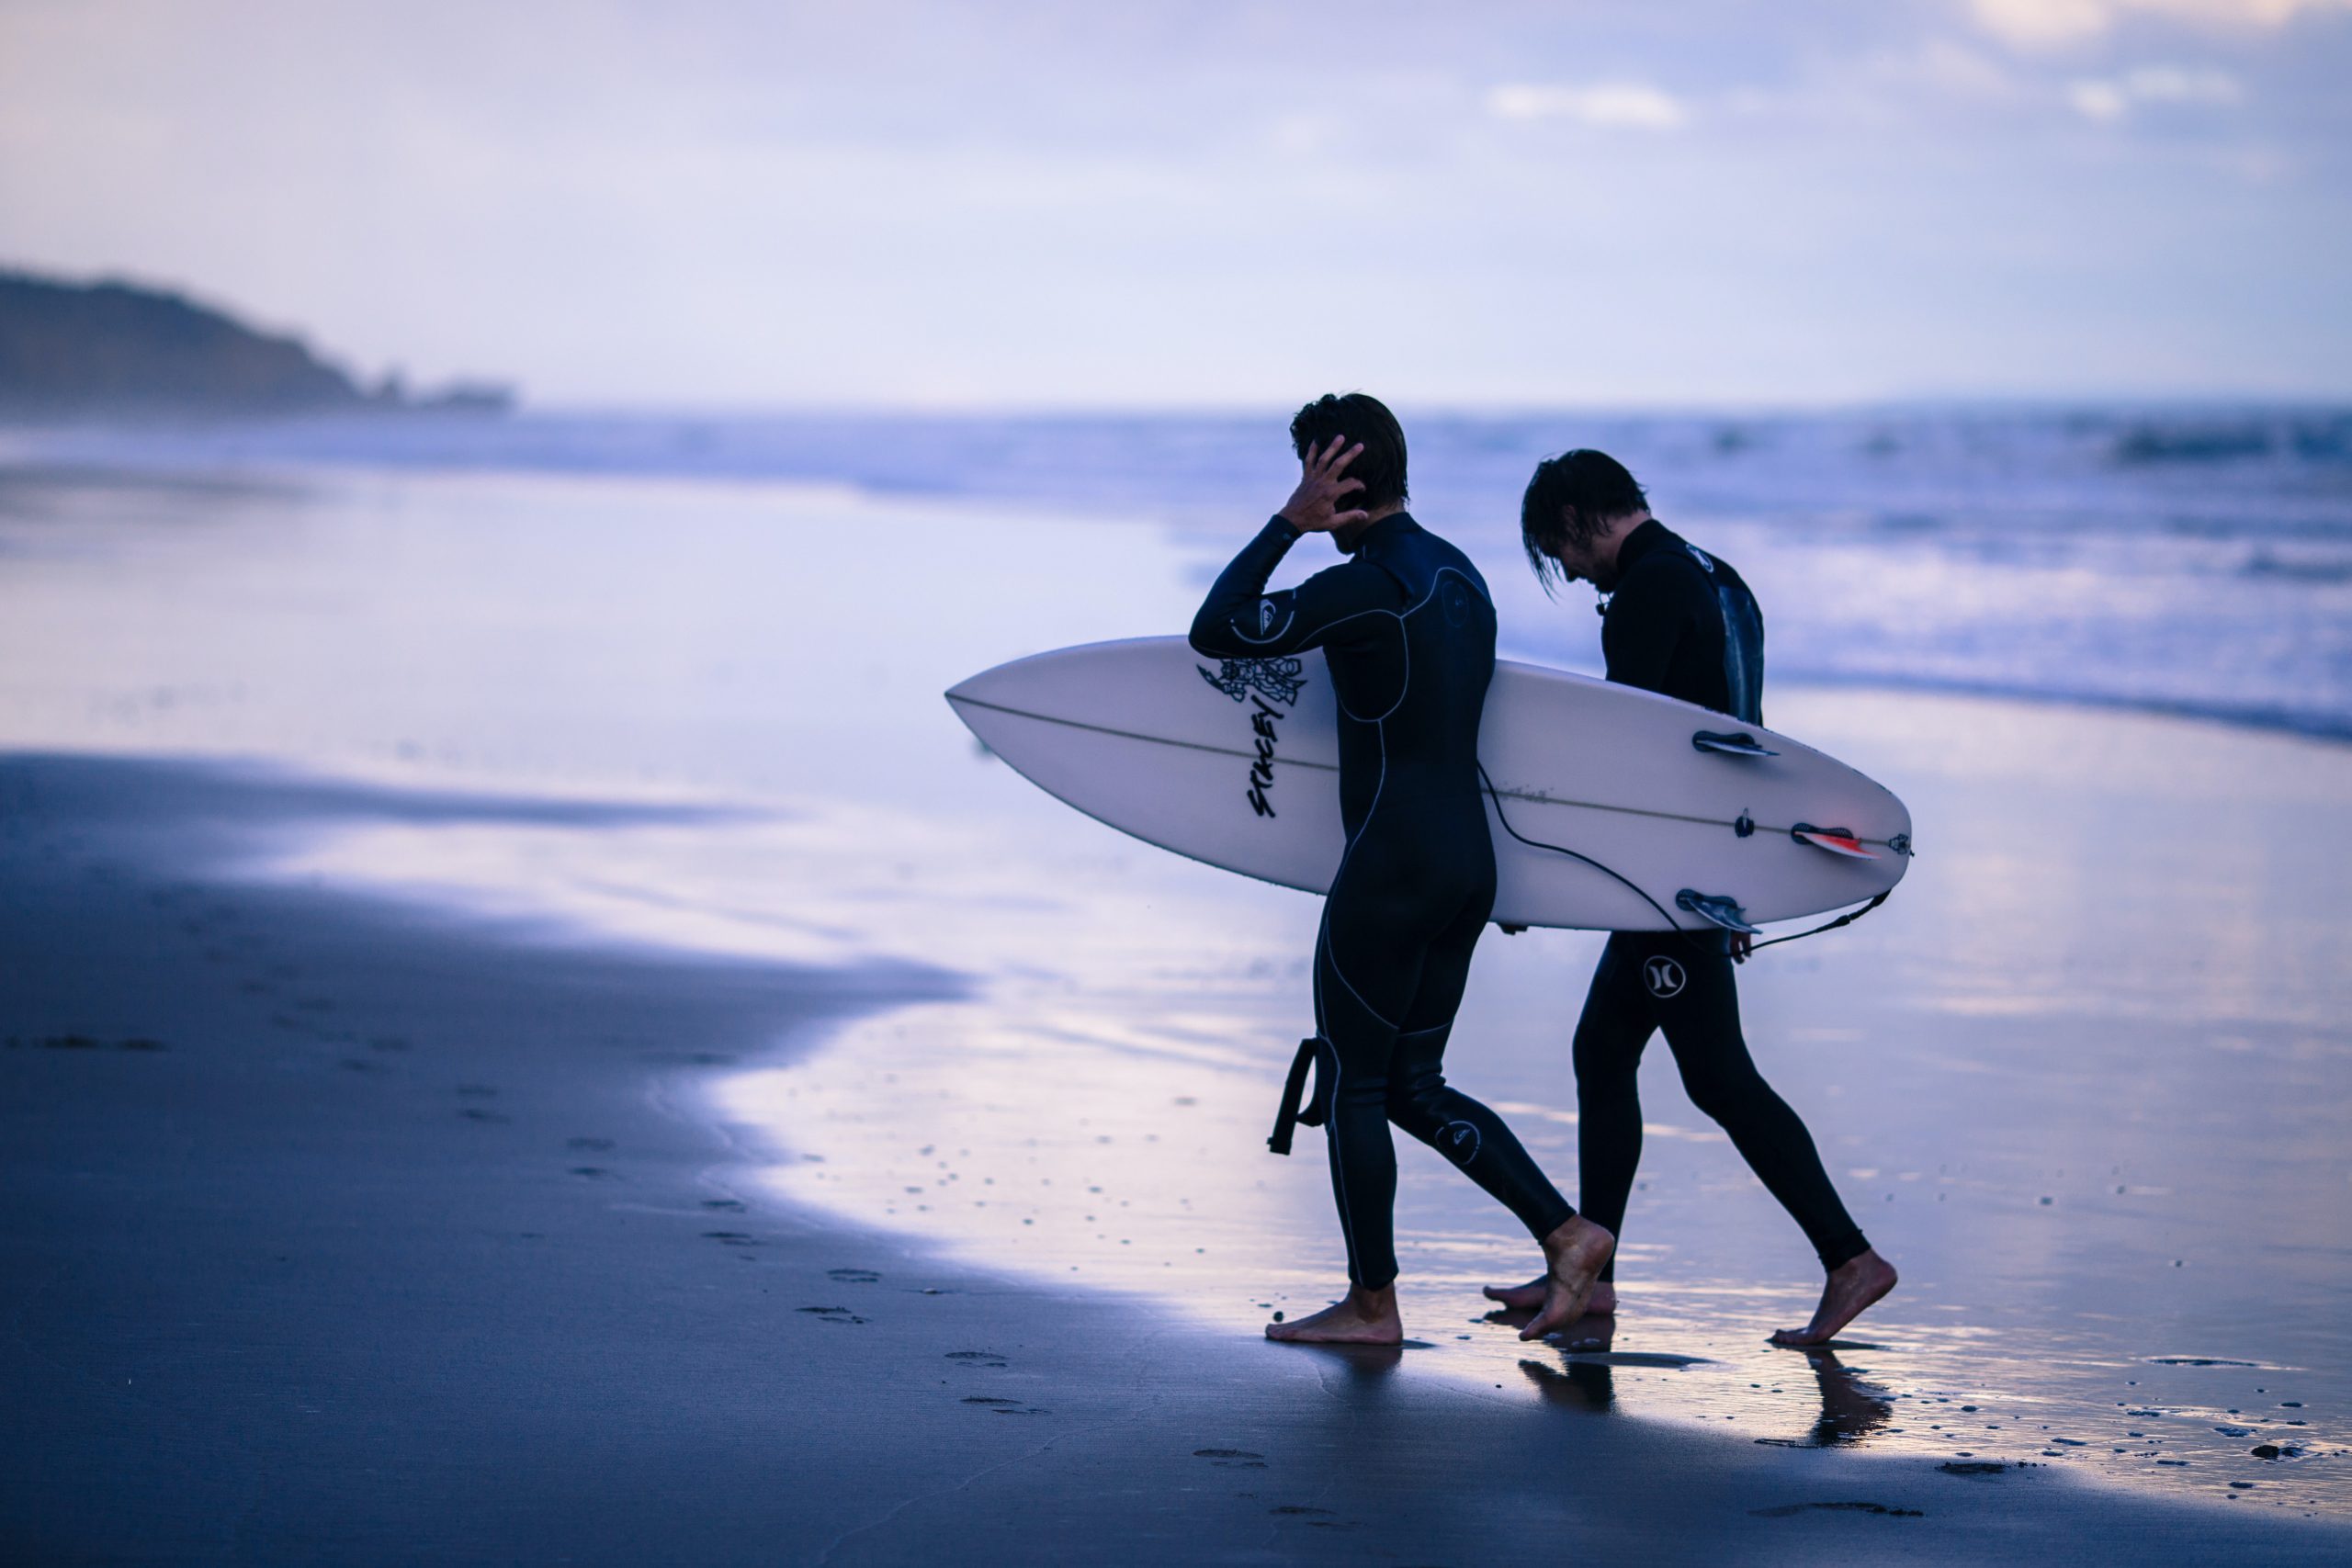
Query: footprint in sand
[(833, 1314), (979, 1357), (1232, 1459), (91, 1042), (733, 1238), (724, 1205), (853, 1276), (1973, 1467), (593, 1172), (1790, 1510)]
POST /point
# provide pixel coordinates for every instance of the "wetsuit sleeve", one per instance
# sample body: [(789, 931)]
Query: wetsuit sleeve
[(1240, 620), (1648, 616)]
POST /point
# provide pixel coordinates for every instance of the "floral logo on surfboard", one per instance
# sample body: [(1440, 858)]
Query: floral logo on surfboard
[(1253, 681), (1278, 678)]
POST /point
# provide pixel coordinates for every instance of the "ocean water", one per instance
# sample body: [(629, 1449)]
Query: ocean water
[(2185, 561)]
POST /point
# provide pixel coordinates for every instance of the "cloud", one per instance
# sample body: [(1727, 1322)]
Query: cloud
[(2110, 98), (1617, 105), (2045, 24)]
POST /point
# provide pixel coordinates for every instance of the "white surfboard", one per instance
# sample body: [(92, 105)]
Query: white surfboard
[(1236, 763)]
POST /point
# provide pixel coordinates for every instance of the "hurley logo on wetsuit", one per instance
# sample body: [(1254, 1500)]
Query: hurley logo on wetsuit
[(1663, 976)]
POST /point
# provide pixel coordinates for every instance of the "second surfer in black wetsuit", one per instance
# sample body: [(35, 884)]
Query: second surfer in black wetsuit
[(1408, 634), (1679, 621)]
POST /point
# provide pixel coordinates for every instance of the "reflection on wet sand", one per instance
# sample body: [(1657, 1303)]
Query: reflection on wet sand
[(1850, 1408), (1360, 1366), (1581, 1375)]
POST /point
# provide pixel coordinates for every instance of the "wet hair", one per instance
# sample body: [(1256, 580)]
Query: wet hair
[(1381, 464), (1572, 498)]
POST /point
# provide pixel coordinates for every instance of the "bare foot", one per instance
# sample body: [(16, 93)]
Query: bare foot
[(1852, 1286), (1602, 1302), (1573, 1255), (1361, 1317)]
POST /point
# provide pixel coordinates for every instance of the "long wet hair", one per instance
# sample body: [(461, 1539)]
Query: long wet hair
[(1572, 498), (1358, 417)]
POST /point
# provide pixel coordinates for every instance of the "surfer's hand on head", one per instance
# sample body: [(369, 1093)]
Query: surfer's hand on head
[(1315, 507), (1741, 941)]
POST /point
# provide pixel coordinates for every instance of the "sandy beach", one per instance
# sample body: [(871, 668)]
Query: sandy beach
[(651, 1105), (343, 1230)]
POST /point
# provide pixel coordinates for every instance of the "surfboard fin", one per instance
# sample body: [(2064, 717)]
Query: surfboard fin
[(1715, 908), (1740, 744), (1836, 840)]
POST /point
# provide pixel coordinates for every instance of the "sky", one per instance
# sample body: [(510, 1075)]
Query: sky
[(1068, 205)]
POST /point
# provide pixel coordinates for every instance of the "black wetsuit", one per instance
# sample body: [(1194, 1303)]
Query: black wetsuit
[(1407, 632), (1681, 622)]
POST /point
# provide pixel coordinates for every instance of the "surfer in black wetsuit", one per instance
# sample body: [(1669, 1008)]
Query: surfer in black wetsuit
[(1407, 633), (1681, 622)]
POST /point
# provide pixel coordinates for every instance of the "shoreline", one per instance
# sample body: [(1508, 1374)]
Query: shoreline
[(243, 455), (265, 1303)]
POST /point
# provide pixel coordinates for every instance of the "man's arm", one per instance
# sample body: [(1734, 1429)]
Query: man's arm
[(1240, 620)]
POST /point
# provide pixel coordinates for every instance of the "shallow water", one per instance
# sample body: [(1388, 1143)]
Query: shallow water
[(2172, 558), (2084, 1078)]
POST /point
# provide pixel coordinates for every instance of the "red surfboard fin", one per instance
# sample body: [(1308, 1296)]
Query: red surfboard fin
[(1836, 840)]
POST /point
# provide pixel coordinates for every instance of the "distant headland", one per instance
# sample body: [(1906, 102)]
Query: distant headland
[(113, 350)]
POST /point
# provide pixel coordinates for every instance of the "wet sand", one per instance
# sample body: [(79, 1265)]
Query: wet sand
[(617, 864), (339, 1229), (2100, 1137)]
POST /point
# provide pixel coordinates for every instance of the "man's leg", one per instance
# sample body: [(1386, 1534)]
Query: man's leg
[(1700, 1019), (1367, 966), (1477, 1141), (1420, 1102), (1615, 1027), (1611, 1033)]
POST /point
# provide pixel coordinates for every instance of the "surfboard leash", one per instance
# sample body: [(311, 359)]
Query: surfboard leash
[(1496, 795), (1848, 919)]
